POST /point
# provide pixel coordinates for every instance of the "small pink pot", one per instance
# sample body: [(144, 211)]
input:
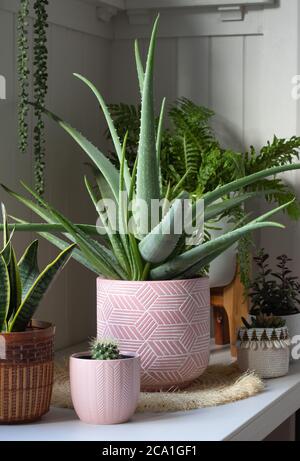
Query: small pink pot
[(105, 391)]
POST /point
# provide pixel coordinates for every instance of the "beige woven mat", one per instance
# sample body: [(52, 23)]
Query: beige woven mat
[(220, 384)]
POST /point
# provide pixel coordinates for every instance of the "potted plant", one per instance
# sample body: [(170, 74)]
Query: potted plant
[(276, 292), (26, 345), (264, 346), (105, 383), (153, 291)]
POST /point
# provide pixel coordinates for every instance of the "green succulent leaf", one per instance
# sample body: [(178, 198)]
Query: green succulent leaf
[(28, 267), (139, 66), (158, 245), (15, 286), (101, 161), (5, 226), (61, 244), (194, 258), (34, 296), (239, 184), (110, 123), (4, 293), (148, 187)]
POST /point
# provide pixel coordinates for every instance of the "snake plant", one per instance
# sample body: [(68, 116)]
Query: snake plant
[(22, 285), (134, 254)]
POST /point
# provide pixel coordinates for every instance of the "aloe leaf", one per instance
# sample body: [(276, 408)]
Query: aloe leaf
[(195, 257), (114, 238), (89, 247), (160, 130), (15, 285), (4, 293), (162, 240), (159, 140), (139, 66), (110, 123), (108, 170), (34, 296), (28, 267), (62, 245), (194, 270), (123, 208), (213, 211), (23, 226), (238, 184), (51, 214), (148, 187)]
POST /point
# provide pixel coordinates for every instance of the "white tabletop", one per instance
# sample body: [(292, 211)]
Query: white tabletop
[(251, 419)]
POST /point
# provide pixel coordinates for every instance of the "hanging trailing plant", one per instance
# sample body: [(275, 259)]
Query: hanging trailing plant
[(23, 72), (40, 87), (40, 91)]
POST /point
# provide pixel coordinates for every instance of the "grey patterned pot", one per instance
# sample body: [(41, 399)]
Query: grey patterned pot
[(264, 350)]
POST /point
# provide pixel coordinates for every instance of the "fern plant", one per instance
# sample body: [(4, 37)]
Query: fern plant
[(22, 285), (192, 159), (128, 253)]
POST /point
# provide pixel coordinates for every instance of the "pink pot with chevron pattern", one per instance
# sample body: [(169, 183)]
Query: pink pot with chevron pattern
[(105, 391), (165, 322)]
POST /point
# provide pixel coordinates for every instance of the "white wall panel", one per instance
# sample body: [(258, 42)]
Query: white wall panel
[(70, 304)]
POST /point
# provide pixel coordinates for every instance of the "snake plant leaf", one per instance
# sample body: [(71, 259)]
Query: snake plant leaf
[(239, 184), (4, 293), (15, 285), (28, 267), (34, 296), (147, 184), (139, 66), (110, 124), (194, 257), (5, 225), (6, 251), (108, 170), (162, 240)]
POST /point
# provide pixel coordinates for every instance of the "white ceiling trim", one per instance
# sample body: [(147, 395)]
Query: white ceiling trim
[(138, 10)]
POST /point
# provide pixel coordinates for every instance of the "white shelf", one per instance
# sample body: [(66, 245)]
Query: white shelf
[(251, 419)]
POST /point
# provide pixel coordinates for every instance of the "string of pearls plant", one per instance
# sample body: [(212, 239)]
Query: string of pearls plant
[(40, 86), (23, 72)]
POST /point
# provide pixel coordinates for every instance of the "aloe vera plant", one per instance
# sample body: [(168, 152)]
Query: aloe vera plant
[(130, 253), (22, 285)]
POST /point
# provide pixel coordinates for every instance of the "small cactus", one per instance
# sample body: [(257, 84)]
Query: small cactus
[(264, 321), (104, 349)]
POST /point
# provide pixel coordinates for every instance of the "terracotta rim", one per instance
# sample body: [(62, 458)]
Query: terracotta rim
[(38, 329)]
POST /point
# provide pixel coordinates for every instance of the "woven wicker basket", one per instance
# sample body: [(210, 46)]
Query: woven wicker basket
[(266, 351), (26, 373)]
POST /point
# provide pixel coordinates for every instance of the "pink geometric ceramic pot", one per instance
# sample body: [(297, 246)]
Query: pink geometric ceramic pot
[(166, 322), (105, 391)]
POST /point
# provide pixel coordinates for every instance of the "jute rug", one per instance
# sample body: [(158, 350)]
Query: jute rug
[(220, 384)]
